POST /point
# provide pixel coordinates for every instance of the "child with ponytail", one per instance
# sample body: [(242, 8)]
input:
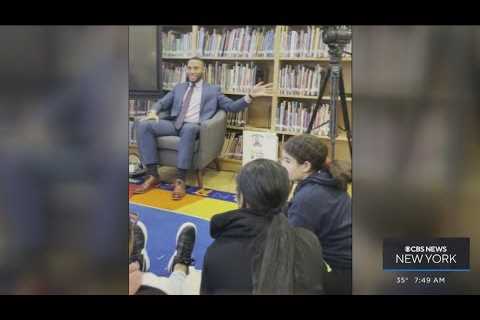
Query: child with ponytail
[(322, 204)]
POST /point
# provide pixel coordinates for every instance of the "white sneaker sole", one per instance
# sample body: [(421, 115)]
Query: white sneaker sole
[(182, 227), (144, 250)]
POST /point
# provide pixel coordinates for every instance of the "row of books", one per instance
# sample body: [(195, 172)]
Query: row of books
[(248, 42), (140, 106), (237, 119), (238, 77), (300, 79), (238, 42), (176, 44), (173, 73), (233, 146), (235, 77), (294, 116), (132, 137), (303, 43)]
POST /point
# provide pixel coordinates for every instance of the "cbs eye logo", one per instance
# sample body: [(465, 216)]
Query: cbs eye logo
[(414, 249)]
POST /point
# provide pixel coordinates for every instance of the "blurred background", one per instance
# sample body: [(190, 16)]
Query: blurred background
[(63, 159), (416, 154)]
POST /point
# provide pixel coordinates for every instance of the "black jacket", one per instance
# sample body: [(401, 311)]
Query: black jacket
[(318, 205), (227, 265)]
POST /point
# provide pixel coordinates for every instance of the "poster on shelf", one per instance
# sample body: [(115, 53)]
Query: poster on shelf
[(257, 145)]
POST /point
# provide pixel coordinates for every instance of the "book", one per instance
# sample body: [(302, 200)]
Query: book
[(237, 119), (300, 79), (172, 74), (302, 42), (140, 106), (234, 77), (176, 44), (294, 117), (246, 41)]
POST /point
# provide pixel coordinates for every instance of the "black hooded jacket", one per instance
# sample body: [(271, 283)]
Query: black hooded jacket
[(229, 261)]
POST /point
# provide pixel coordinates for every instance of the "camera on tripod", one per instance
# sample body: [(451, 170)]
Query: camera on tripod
[(336, 35)]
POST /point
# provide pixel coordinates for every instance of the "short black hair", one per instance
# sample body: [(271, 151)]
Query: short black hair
[(197, 58), (263, 184)]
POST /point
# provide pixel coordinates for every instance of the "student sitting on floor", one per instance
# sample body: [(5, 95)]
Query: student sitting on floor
[(321, 204), (142, 282), (255, 250)]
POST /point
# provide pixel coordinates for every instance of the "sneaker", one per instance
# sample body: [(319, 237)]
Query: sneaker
[(140, 247), (186, 236)]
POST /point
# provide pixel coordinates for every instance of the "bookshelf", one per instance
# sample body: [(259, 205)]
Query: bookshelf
[(139, 103), (300, 97), (346, 59), (220, 58), (295, 46)]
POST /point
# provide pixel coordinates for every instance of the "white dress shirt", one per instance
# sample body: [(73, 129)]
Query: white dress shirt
[(193, 112)]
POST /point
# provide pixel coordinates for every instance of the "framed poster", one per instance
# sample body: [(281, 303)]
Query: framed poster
[(258, 145)]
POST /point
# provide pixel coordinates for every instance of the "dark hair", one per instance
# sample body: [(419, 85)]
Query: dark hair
[(198, 59), (131, 238), (307, 147), (263, 184)]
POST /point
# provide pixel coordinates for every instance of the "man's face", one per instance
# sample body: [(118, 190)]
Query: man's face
[(194, 70)]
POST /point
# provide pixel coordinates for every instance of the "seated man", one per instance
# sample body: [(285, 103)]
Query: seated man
[(189, 104), (142, 282)]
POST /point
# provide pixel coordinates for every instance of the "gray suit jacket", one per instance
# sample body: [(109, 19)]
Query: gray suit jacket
[(212, 100)]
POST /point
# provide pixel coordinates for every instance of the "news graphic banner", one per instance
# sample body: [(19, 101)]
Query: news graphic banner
[(437, 254)]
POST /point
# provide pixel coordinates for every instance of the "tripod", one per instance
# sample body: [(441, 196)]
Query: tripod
[(337, 88)]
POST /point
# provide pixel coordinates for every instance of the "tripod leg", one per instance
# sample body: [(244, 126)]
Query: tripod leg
[(346, 118), (323, 86)]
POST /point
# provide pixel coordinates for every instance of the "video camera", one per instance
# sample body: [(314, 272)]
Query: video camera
[(337, 35)]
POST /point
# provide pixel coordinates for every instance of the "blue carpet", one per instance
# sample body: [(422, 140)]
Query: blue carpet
[(162, 229)]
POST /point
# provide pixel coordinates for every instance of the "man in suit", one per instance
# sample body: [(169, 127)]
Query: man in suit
[(189, 104)]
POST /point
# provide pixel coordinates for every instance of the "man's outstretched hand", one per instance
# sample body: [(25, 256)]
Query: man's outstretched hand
[(261, 89)]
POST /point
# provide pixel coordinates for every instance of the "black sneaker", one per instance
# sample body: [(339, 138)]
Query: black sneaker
[(139, 252), (186, 235)]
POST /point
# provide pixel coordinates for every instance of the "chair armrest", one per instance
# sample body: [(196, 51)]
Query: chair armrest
[(212, 137)]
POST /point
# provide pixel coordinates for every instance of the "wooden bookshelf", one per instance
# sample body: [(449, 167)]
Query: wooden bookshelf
[(238, 58), (176, 57), (219, 58), (341, 137), (228, 164), (242, 93), (235, 127), (301, 59), (262, 113), (231, 93), (307, 97)]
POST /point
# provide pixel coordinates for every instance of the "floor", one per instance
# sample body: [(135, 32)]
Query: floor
[(213, 179), (222, 181)]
